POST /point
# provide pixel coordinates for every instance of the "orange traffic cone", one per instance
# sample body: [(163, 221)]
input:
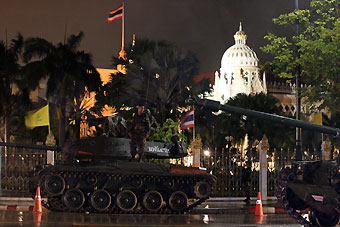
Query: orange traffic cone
[(37, 202), (258, 208), (258, 219)]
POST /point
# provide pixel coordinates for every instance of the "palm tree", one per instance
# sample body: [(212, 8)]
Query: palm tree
[(159, 74), (12, 91), (70, 72)]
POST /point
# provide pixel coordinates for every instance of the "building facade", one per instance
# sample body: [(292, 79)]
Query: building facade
[(239, 72)]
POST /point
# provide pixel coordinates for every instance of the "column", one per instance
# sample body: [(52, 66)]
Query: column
[(196, 147), (263, 149), (326, 148), (50, 141)]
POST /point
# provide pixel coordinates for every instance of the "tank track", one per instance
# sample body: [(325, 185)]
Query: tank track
[(165, 184), (282, 199)]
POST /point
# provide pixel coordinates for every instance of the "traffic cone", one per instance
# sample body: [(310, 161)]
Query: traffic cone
[(259, 219), (258, 208), (37, 202)]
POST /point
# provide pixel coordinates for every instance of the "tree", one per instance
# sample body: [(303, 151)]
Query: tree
[(13, 92), (158, 73), (315, 50), (167, 130), (69, 71), (237, 126)]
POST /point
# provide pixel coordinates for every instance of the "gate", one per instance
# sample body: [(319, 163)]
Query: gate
[(17, 164), (227, 164)]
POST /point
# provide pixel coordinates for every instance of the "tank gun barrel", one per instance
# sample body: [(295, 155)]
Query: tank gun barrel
[(217, 106)]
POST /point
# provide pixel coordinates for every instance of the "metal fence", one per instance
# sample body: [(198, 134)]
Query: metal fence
[(226, 165), (17, 164)]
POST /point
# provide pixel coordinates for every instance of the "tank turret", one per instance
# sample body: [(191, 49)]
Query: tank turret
[(107, 148), (303, 184)]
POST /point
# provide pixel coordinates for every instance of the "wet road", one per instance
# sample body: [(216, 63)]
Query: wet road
[(50, 219)]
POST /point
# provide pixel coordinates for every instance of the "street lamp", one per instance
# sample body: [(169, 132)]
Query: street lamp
[(228, 141), (298, 154)]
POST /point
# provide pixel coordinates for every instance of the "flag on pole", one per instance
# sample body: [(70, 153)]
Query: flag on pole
[(188, 120), (36, 118), (116, 14)]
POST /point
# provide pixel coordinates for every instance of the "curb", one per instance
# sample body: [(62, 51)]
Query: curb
[(268, 210), (224, 199), (273, 210), (20, 208), (251, 210), (21, 199)]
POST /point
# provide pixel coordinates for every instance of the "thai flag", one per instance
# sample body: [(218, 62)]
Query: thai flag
[(116, 14), (188, 120)]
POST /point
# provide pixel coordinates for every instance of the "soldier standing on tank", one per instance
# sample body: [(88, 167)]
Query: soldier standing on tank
[(140, 127)]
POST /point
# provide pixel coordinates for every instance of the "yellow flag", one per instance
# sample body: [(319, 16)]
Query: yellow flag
[(37, 118), (317, 118)]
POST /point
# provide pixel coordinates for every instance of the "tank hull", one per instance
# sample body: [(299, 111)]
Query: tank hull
[(124, 187), (314, 185)]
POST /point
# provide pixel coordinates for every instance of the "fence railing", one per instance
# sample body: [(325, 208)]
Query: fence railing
[(227, 164), (17, 164)]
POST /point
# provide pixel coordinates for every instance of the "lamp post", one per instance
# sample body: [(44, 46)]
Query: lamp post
[(298, 154), (228, 141)]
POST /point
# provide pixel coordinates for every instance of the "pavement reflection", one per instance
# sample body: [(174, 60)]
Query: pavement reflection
[(51, 219)]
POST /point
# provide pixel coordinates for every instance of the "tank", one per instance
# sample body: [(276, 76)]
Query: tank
[(313, 185), (97, 176)]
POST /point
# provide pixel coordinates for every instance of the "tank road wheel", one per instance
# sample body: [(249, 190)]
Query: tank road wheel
[(312, 216), (324, 220), (101, 200), (152, 201), (178, 201), (126, 200), (202, 189), (74, 199), (54, 185)]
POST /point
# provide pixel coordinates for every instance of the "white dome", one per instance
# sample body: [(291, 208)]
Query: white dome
[(239, 72), (240, 54)]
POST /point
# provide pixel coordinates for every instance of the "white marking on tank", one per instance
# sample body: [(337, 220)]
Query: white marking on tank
[(318, 198), (156, 149)]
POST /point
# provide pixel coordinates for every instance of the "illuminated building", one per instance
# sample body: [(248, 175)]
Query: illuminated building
[(239, 72)]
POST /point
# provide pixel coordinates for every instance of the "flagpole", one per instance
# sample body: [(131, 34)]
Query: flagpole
[(123, 27), (193, 129), (122, 53), (49, 122)]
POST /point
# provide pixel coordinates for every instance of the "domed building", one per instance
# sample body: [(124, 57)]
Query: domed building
[(239, 72)]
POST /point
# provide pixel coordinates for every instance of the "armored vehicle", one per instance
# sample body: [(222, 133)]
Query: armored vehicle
[(303, 184), (96, 176)]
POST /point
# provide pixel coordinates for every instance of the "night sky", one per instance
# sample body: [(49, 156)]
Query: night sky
[(205, 27)]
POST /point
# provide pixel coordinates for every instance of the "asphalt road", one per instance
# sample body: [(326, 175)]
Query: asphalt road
[(50, 219)]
